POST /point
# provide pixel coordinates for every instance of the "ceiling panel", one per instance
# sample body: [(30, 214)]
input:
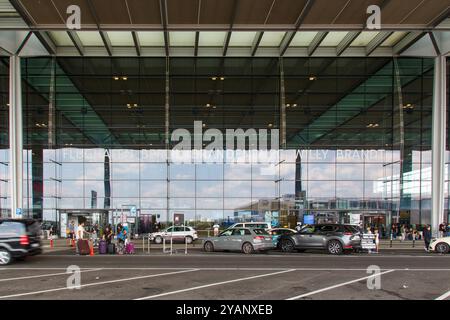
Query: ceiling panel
[(394, 38), (182, 11), (43, 11), (121, 38), (182, 38), (212, 38), (303, 38), (325, 11), (286, 11), (333, 38), (427, 12), (144, 12), (90, 38), (364, 38), (216, 11), (242, 39), (272, 39), (253, 11), (151, 38), (395, 11), (112, 11), (61, 38)]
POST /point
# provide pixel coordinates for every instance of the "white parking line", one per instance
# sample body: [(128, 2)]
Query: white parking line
[(444, 296), (96, 284), (45, 275), (230, 269), (337, 286), (214, 284)]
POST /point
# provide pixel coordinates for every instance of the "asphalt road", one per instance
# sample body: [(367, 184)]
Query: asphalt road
[(230, 276)]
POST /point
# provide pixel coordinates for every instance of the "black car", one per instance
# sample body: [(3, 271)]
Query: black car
[(334, 238), (19, 238)]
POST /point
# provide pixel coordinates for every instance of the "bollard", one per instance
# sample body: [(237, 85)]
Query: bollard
[(185, 245), (390, 245), (414, 242), (171, 245), (164, 245), (149, 243), (51, 242), (143, 244)]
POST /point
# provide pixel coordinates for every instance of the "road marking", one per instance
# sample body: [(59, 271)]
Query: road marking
[(338, 285), (96, 284), (230, 269), (46, 275), (214, 284), (444, 296)]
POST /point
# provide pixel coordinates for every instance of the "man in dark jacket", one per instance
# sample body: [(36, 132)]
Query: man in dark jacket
[(427, 237)]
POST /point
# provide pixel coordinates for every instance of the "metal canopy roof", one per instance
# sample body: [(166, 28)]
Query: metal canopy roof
[(227, 27)]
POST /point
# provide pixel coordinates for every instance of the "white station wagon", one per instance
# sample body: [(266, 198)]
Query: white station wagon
[(178, 233)]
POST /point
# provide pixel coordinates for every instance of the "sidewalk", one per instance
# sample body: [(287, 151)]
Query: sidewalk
[(60, 247)]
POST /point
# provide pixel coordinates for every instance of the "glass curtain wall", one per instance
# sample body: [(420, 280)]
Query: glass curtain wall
[(357, 138), (5, 204)]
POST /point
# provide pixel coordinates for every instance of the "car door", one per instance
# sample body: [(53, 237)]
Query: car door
[(322, 234), (168, 233), (222, 241), (237, 239), (307, 237)]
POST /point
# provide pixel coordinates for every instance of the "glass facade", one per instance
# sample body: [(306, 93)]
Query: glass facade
[(102, 135), (5, 206)]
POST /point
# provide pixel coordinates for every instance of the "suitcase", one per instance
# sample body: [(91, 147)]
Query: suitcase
[(111, 248), (102, 247), (129, 248), (83, 247)]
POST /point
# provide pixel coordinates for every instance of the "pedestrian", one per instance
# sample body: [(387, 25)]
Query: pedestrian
[(108, 234), (377, 239), (442, 228), (80, 234), (447, 230), (427, 237), (402, 233)]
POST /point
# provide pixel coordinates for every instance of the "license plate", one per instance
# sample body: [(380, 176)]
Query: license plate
[(35, 245)]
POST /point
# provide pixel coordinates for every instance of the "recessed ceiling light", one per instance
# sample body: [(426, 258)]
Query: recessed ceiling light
[(312, 78), (288, 105), (222, 78), (294, 105), (214, 107), (208, 105), (116, 78), (213, 78), (124, 78), (270, 125)]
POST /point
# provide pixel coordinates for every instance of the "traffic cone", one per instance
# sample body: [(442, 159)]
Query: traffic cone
[(73, 243), (91, 253), (51, 243)]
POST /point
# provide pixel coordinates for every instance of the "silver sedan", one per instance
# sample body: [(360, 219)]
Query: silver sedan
[(247, 240)]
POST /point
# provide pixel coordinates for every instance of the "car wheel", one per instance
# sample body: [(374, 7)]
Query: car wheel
[(287, 245), (247, 248), (189, 240), (158, 240), (208, 247), (442, 247), (334, 247), (5, 257)]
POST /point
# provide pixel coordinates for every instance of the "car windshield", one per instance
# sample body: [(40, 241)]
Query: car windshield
[(260, 232)]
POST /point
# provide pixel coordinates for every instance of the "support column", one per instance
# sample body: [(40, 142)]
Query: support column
[(15, 134), (438, 144)]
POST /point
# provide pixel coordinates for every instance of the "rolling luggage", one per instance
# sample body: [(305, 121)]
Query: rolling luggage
[(102, 247), (111, 248), (129, 248), (83, 247)]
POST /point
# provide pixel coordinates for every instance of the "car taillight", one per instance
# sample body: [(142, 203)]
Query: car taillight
[(24, 240), (259, 238), (348, 234)]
